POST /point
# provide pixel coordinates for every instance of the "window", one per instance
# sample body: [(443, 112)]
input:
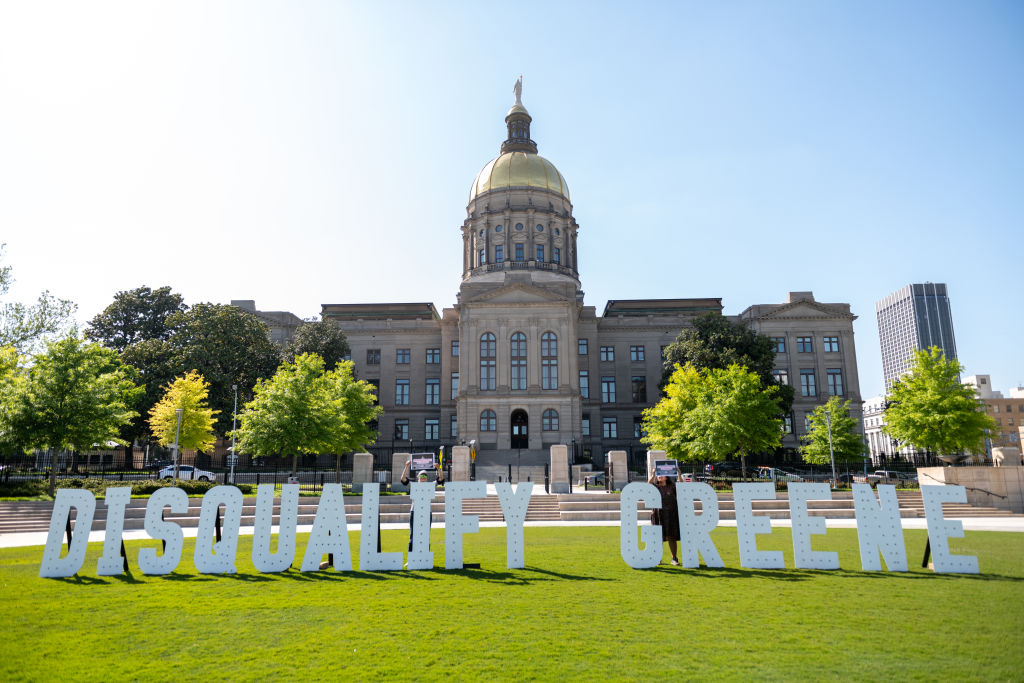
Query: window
[(807, 385), (488, 421), (455, 348), (431, 429), (518, 361), (781, 377), (401, 392), (373, 356), (540, 228), (453, 427), (607, 354), (402, 356), (433, 356), (497, 228), (636, 354), (402, 429), (607, 390), (540, 253), (638, 426), (488, 351), (499, 253), (581, 347), (831, 344), (482, 258), (1009, 407), (585, 383), (639, 389), (519, 252), (548, 361), (834, 378), (519, 226), (787, 424), (455, 385), (609, 428), (807, 423), (433, 391), (549, 420), (556, 255), (585, 425), (804, 344)]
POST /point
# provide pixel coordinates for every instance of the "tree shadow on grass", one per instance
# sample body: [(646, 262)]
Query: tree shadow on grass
[(517, 577), (80, 580)]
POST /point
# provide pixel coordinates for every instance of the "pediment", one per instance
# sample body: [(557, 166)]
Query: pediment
[(517, 293), (806, 309)]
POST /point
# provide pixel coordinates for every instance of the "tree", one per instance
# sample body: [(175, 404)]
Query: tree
[(153, 359), (711, 414), (75, 395), (136, 315), (322, 337), (930, 408), (188, 394), (23, 326), (846, 444), (716, 342), (227, 346), (304, 408)]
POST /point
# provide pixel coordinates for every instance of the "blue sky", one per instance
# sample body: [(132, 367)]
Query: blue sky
[(321, 152)]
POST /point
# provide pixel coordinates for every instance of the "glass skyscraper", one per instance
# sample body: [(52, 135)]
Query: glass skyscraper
[(915, 317)]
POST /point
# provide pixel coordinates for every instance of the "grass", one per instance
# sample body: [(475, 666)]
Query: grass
[(576, 611)]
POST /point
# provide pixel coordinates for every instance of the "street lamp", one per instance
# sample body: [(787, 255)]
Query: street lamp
[(832, 455), (177, 435), (234, 413)]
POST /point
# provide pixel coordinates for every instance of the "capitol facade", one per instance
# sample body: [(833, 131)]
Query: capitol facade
[(520, 362)]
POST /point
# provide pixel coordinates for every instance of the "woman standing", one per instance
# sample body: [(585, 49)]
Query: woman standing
[(668, 515)]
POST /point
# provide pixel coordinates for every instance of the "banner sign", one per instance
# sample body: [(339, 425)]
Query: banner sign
[(422, 461), (879, 531)]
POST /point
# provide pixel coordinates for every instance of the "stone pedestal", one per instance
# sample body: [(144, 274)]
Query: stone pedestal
[(651, 457), (398, 461), (619, 472), (559, 482), (362, 471), (997, 487), (460, 463)]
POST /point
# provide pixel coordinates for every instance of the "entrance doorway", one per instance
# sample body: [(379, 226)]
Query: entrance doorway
[(520, 429)]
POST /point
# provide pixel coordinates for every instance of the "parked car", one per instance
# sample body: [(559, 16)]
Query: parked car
[(727, 468), (775, 474), (188, 472)]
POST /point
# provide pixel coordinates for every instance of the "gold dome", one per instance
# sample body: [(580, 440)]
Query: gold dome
[(519, 169)]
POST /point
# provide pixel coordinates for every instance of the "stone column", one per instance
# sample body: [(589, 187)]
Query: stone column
[(398, 461), (619, 473), (651, 457), (362, 471), (460, 463), (559, 469)]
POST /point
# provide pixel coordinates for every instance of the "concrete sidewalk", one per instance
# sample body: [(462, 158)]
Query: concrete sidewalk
[(1013, 524)]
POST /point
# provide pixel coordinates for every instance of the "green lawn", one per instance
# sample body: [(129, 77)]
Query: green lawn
[(576, 611)]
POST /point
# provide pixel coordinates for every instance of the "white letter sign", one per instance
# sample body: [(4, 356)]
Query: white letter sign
[(629, 546), (513, 507), (879, 528), (262, 558), (940, 530), (456, 523), (53, 565), (804, 526), (168, 532), (369, 558), (695, 530), (749, 526)]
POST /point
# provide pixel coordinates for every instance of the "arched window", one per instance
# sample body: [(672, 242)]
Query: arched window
[(488, 421), (518, 360), (549, 420), (548, 361), (488, 354)]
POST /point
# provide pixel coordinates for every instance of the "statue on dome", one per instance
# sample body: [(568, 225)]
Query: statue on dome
[(518, 90)]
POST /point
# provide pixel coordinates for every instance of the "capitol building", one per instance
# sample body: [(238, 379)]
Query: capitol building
[(521, 362)]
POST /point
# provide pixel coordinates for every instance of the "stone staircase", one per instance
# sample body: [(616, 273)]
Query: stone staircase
[(34, 516)]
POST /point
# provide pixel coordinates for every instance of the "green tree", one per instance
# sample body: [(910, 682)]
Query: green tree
[(188, 394), (304, 408), (712, 414), (23, 326), (847, 444), (75, 395), (134, 316), (322, 337), (716, 342), (227, 346), (930, 408), (154, 361)]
